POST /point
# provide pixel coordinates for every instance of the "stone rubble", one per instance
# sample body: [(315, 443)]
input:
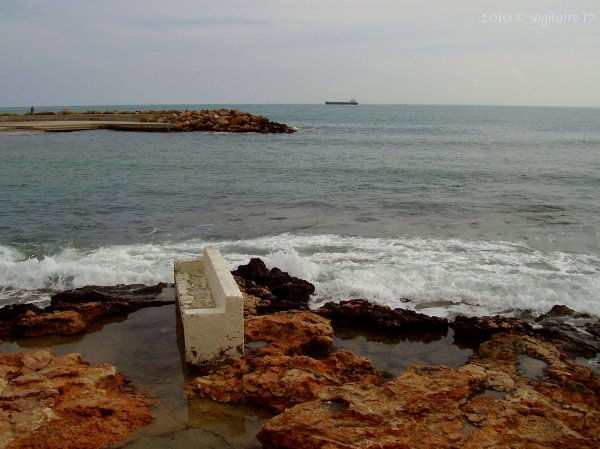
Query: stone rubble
[(218, 120)]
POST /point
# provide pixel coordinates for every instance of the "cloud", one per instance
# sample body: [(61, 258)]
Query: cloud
[(430, 51)]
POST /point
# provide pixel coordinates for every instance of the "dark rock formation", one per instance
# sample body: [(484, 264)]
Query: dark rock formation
[(118, 299), (362, 314), (575, 333), (62, 402), (477, 329), (73, 311), (277, 289), (10, 316)]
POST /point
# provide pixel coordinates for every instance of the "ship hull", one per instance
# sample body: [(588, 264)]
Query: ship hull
[(352, 103)]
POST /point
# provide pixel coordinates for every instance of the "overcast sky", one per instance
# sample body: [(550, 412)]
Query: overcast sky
[(79, 52)]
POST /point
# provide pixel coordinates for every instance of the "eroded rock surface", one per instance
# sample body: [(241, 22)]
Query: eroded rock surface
[(62, 402), (72, 312), (289, 333), (487, 403), (276, 289), (282, 371)]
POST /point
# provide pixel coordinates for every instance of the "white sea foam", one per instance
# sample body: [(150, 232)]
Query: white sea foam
[(475, 277)]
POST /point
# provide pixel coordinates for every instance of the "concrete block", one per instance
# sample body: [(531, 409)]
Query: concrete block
[(211, 308)]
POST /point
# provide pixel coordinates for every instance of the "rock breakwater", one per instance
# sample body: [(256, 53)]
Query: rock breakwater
[(216, 120), (219, 120)]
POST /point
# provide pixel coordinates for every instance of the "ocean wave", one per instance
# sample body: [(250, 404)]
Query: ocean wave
[(474, 277)]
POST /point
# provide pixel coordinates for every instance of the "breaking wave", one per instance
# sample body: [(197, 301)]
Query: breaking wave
[(435, 276)]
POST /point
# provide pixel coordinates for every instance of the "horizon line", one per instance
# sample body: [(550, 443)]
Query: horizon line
[(301, 104)]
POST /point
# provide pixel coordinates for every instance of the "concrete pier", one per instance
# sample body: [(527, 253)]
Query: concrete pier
[(81, 125), (211, 308)]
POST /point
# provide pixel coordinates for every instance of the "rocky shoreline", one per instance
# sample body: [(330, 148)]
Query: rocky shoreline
[(520, 388)]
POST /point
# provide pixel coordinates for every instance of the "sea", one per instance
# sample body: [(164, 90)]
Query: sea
[(442, 209)]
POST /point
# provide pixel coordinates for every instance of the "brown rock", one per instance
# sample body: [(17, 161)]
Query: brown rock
[(289, 333), (250, 304), (279, 372), (487, 403), (68, 322), (279, 382), (62, 402)]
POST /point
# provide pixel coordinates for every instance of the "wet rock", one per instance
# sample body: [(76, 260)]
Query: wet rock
[(250, 304), (73, 311), (67, 322), (362, 314), (62, 402), (290, 333), (474, 330), (122, 298), (577, 334), (277, 289), (436, 406), (284, 369), (252, 288), (559, 310), (11, 314), (279, 382)]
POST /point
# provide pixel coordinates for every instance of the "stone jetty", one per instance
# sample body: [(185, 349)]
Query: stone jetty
[(215, 120)]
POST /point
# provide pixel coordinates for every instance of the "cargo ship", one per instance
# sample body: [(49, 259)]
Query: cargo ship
[(352, 101)]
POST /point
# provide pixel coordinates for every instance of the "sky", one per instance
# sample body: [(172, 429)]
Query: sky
[(83, 52)]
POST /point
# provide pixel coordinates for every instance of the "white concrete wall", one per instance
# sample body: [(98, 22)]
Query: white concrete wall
[(215, 332)]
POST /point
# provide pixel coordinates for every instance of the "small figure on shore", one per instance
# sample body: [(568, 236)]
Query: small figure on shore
[(31, 110)]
